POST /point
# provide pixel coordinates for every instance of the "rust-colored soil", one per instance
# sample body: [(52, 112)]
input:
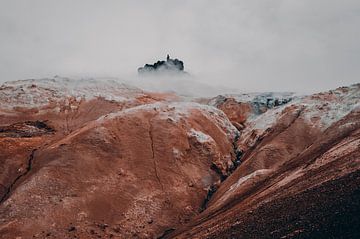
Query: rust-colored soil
[(132, 164)]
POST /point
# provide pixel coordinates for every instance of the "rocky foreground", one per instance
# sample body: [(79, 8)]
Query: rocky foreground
[(101, 159)]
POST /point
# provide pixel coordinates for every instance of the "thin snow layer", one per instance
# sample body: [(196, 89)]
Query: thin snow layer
[(266, 107), (269, 99), (324, 109), (263, 97), (242, 180), (40, 92), (247, 177), (320, 110), (267, 119), (200, 136), (175, 111)]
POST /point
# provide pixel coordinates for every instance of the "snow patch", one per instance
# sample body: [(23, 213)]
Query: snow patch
[(247, 177), (40, 92), (175, 111), (320, 110), (200, 136), (326, 108), (264, 98), (267, 119), (242, 180)]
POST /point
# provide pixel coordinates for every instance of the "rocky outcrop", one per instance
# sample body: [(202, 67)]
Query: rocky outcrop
[(243, 108), (168, 66), (25, 129)]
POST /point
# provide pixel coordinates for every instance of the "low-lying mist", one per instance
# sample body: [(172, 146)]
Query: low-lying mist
[(306, 46), (180, 83)]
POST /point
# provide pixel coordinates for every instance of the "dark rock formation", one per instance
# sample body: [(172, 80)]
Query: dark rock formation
[(170, 65), (25, 129)]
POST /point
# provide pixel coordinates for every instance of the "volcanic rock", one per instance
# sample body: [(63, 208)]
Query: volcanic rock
[(291, 182), (124, 169), (168, 66), (94, 158)]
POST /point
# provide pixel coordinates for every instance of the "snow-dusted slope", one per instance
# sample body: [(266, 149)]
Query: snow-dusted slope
[(138, 169), (324, 109), (320, 110), (106, 158), (256, 114), (39, 92)]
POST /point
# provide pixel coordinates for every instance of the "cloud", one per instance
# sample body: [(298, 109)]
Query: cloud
[(251, 45)]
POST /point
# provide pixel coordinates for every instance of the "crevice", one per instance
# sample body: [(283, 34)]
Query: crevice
[(27, 170), (212, 189), (26, 129), (153, 154), (166, 232), (265, 182), (238, 153), (218, 171), (67, 131), (236, 162)]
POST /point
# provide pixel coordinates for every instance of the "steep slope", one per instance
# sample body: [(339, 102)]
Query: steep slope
[(132, 173), (306, 150), (99, 159), (34, 113)]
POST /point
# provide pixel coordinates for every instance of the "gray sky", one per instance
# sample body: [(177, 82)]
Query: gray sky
[(301, 45)]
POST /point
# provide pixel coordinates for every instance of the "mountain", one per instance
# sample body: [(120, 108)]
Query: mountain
[(92, 158)]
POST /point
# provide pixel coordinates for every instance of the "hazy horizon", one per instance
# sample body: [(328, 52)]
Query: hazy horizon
[(248, 45)]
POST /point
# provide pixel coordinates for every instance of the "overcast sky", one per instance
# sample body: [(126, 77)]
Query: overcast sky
[(300, 45)]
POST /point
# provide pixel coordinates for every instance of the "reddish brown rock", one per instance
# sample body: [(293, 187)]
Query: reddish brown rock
[(298, 179), (237, 112), (153, 163), (101, 159)]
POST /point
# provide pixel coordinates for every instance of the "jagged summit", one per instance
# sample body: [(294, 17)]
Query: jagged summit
[(170, 65)]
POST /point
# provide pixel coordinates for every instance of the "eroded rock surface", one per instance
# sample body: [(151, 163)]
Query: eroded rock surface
[(297, 159), (129, 170), (100, 159)]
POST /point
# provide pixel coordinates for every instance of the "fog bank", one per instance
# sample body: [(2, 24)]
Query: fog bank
[(248, 45)]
